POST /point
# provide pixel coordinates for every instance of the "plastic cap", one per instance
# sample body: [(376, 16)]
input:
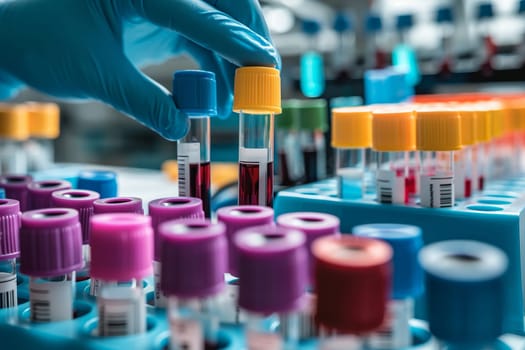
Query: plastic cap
[(9, 226), (497, 119), (393, 130), (118, 205), (81, 201), (288, 118), (14, 122), (50, 242), (444, 15), (272, 268), (44, 120), (257, 90), (438, 130), (195, 92), (102, 181), (464, 290), (404, 21), (310, 26), (342, 22), (469, 119), (352, 282), (194, 255), (121, 246), (172, 208), (346, 101), (351, 127), (15, 187), (39, 193), (239, 217), (405, 241), (313, 225), (311, 115), (373, 23), (484, 123), (485, 10)]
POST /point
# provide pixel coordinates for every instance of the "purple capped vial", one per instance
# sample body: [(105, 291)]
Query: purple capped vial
[(39, 192), (118, 205), (15, 187), (9, 251)]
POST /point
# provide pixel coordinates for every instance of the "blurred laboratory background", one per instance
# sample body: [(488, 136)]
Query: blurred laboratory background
[(329, 49)]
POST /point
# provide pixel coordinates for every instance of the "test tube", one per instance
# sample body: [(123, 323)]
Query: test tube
[(9, 251), (195, 94), (312, 124), (438, 136), (121, 255), (82, 202), (313, 225), (102, 181), (44, 128), (407, 282), (236, 218), (403, 55), (482, 156), (393, 138), (290, 164), (257, 97), (312, 80), (352, 281), (39, 193), (465, 172), (14, 132), (15, 187), (351, 138), (376, 57), (275, 258), (194, 258), (46, 233), (465, 293), (118, 205), (344, 54), (484, 15), (166, 209)]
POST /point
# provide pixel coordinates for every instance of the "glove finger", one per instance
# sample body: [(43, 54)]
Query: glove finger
[(210, 28)]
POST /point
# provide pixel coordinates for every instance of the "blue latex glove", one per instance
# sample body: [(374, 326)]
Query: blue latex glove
[(90, 49)]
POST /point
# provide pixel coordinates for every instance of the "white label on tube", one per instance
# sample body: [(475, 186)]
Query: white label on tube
[(257, 156), (187, 153), (390, 187), (186, 334), (263, 341), (8, 293), (437, 191), (229, 310), (395, 331), (160, 298), (51, 301), (122, 311)]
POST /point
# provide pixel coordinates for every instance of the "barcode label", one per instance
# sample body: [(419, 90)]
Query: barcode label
[(263, 341), (187, 153), (437, 191), (8, 292), (258, 156), (160, 298), (186, 334), (121, 311), (51, 301), (390, 187), (395, 331)]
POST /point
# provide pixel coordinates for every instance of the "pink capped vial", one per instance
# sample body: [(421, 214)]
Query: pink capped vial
[(15, 187), (118, 205), (9, 251), (39, 192)]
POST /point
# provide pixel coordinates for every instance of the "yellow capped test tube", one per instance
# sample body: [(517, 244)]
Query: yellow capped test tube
[(44, 128), (483, 157), (14, 131), (465, 171)]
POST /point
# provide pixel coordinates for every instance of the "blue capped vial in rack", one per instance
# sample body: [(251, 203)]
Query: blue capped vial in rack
[(312, 64)]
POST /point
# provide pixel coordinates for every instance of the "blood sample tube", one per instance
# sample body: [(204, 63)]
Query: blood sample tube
[(313, 225), (464, 167), (484, 136), (275, 258), (236, 218), (351, 137), (118, 205), (39, 193), (394, 137), (194, 257), (9, 251), (14, 132), (290, 164), (438, 136), (352, 281), (166, 209), (407, 282), (15, 187), (45, 233), (121, 255), (195, 94), (257, 96), (312, 80), (81, 201), (44, 128), (312, 124), (343, 57), (102, 181), (465, 293)]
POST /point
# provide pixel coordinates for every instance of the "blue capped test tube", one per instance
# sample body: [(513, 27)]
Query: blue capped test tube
[(404, 56), (312, 66)]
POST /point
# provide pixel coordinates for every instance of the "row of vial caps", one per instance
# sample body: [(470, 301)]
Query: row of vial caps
[(27, 132), (397, 153), (286, 281)]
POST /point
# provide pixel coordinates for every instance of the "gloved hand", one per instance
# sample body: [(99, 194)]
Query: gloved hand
[(90, 49)]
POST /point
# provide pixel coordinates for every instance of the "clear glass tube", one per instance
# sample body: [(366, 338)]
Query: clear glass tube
[(303, 320), (437, 179), (464, 173), (393, 181), (395, 331), (344, 54), (121, 308), (351, 168), (312, 80), (8, 284), (314, 155), (40, 153), (83, 274), (193, 157), (51, 298), (481, 166), (194, 323), (262, 332), (291, 168), (256, 140), (13, 158)]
